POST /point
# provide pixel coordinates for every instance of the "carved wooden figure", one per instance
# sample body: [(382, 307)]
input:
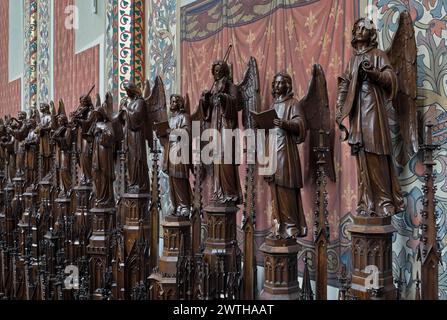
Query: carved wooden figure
[(368, 85), (83, 119), (44, 131), (31, 152), (134, 118), (63, 136), (104, 143), (373, 80), (176, 158), (219, 109)]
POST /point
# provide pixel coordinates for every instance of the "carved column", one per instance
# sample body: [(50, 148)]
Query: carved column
[(281, 269), (372, 274), (131, 17)]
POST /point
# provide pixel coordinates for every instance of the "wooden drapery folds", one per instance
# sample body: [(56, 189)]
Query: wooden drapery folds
[(176, 158), (219, 108), (104, 145), (372, 80)]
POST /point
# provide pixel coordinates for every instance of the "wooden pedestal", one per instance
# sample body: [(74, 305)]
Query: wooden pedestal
[(281, 269), (132, 209), (174, 228), (98, 248), (372, 274), (221, 241), (82, 221)]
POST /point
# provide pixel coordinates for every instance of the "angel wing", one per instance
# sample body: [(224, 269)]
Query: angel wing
[(61, 108), (402, 55), (98, 100), (318, 117), (249, 91), (155, 106), (53, 115)]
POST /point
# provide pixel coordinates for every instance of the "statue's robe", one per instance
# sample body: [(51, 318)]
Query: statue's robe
[(135, 146), (223, 114), (288, 181), (103, 168), (31, 159), (180, 188), (63, 137), (365, 102)]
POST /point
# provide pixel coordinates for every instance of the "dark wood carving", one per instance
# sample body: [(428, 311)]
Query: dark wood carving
[(321, 223), (429, 254)]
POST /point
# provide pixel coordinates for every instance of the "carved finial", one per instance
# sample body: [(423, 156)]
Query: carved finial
[(306, 291)]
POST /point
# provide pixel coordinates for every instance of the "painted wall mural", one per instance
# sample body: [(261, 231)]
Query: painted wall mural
[(43, 51), (131, 43), (430, 19), (161, 43), (111, 48)]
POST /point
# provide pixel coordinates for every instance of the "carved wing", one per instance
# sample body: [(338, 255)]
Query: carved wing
[(318, 117), (98, 100), (53, 115), (249, 91), (156, 106), (402, 55), (61, 109)]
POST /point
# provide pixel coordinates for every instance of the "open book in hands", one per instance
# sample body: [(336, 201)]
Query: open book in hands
[(264, 120)]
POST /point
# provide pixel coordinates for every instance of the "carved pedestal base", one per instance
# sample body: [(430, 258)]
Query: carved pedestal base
[(372, 275), (174, 229), (82, 221), (281, 269), (99, 247), (133, 208), (220, 242)]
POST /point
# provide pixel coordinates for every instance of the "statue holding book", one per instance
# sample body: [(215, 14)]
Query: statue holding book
[(291, 120)]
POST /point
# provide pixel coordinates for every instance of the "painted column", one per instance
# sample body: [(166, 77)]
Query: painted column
[(31, 62), (130, 43), (44, 46)]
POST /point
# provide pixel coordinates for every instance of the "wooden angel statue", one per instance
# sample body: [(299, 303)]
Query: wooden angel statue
[(20, 130), (104, 144), (177, 154), (63, 137), (373, 80), (137, 114), (83, 120), (44, 128), (7, 143), (32, 151), (292, 120), (219, 108)]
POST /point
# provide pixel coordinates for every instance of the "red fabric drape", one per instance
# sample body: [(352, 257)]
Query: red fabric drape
[(287, 38)]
